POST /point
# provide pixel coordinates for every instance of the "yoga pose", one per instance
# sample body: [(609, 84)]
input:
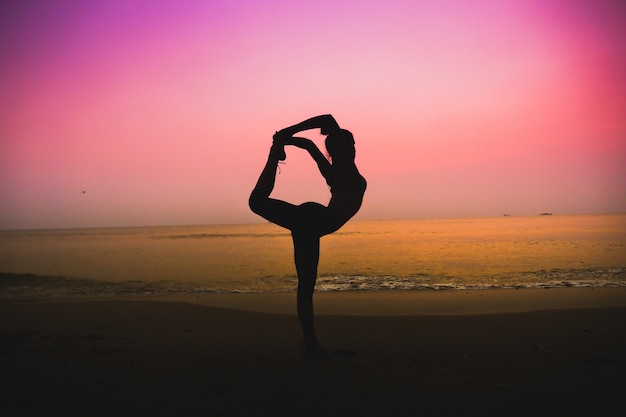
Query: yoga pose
[(310, 221)]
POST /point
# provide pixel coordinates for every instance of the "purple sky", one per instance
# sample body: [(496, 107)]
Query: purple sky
[(163, 111)]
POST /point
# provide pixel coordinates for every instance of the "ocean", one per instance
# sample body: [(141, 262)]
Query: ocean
[(431, 254)]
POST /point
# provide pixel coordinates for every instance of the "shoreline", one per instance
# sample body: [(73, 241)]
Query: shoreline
[(385, 303)]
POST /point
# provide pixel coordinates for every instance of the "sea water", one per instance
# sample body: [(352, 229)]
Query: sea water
[(434, 254)]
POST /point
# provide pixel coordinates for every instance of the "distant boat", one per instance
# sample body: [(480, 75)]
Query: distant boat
[(546, 214), (506, 215)]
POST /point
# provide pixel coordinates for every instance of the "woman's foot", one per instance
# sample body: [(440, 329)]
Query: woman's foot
[(278, 151), (315, 352), (278, 147)]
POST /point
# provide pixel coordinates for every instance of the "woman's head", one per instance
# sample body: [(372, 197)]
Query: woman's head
[(340, 145)]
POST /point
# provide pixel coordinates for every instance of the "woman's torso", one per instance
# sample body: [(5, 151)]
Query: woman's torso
[(347, 195)]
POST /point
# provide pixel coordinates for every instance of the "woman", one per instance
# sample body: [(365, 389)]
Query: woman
[(310, 221)]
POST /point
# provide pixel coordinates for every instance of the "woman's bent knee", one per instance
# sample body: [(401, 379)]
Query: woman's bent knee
[(255, 202)]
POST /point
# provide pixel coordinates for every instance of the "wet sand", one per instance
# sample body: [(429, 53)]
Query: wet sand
[(500, 352)]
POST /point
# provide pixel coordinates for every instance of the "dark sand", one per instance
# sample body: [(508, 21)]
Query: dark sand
[(485, 353)]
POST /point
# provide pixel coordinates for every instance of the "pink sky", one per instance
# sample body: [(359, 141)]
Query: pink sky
[(163, 111)]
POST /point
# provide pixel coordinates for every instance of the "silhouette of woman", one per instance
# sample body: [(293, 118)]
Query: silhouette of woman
[(308, 222)]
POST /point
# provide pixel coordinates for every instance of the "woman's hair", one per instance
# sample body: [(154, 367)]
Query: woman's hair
[(340, 143)]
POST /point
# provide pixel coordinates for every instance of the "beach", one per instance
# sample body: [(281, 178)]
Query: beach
[(444, 317), (523, 352)]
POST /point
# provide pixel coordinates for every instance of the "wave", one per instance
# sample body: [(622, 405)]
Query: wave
[(29, 285), (556, 278)]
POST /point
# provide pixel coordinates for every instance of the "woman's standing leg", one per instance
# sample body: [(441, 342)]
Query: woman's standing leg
[(299, 220), (306, 255)]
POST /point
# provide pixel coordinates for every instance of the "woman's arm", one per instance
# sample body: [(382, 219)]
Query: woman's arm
[(325, 122), (325, 167)]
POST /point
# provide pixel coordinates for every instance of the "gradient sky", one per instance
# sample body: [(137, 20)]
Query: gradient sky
[(163, 111)]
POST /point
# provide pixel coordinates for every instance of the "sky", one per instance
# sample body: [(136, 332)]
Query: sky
[(141, 113)]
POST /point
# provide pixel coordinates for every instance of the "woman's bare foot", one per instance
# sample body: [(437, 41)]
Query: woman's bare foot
[(278, 151), (278, 147), (315, 352)]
